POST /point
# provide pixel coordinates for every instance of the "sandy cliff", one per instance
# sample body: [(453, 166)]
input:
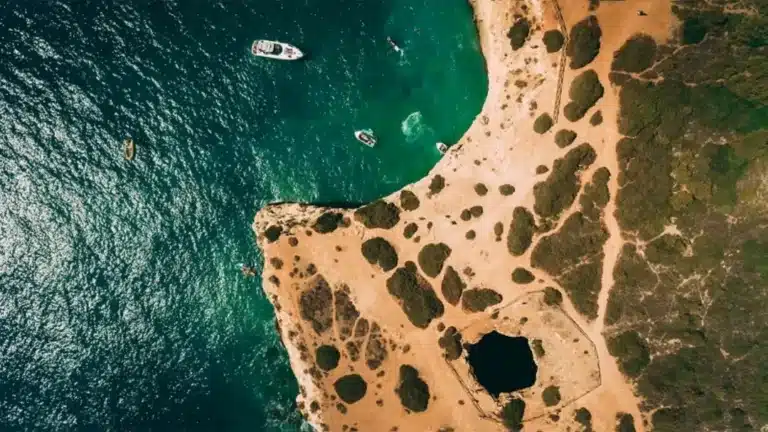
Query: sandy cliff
[(367, 300)]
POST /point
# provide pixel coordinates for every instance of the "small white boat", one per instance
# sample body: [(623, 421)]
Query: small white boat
[(441, 147), (394, 45), (275, 50), (366, 137)]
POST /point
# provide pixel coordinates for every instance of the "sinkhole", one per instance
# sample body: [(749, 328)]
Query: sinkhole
[(502, 364)]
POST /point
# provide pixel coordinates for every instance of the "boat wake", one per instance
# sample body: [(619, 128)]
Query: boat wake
[(413, 127)]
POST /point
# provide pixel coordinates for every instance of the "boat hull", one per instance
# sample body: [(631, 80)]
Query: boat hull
[(286, 51)]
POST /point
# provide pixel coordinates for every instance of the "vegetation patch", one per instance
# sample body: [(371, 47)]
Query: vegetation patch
[(327, 222), (346, 313), (415, 295), (584, 44), (480, 189), (412, 390), (543, 123), (506, 189), (327, 357), (585, 91), (470, 235), (465, 215), (436, 185), (410, 230), (379, 251), (476, 211), (375, 349), (498, 230), (551, 396), (636, 55), (350, 388), (597, 118), (520, 234), (315, 305), (272, 233), (538, 348), (512, 414), (450, 342), (378, 214), (565, 137), (553, 40), (479, 299), (552, 296), (408, 200), (584, 418), (542, 169), (432, 257), (631, 351), (518, 33), (625, 423), (558, 191), (596, 194), (522, 276), (452, 286)]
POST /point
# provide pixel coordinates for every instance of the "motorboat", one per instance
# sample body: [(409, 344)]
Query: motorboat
[(441, 147), (129, 148), (366, 137), (275, 50), (394, 45)]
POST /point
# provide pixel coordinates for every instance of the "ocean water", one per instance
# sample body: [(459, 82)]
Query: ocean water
[(121, 304)]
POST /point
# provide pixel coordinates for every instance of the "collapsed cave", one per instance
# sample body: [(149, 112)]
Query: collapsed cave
[(501, 363)]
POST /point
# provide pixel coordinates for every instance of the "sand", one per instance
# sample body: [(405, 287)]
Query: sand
[(500, 148)]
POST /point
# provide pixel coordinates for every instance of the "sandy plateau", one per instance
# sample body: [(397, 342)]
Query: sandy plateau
[(326, 293)]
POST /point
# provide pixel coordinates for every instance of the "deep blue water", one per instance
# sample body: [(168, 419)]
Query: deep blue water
[(121, 303)]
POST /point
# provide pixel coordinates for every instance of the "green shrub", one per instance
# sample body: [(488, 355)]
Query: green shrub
[(553, 40), (512, 414), (625, 423), (583, 417), (596, 119), (518, 33), (543, 123), (542, 169), (410, 230), (522, 276), (552, 296), (583, 286), (350, 388), (379, 251), (436, 185), (538, 348), (470, 235), (316, 305), (584, 44), (585, 91), (450, 342), (479, 299), (481, 189), (551, 396), (452, 286), (596, 194), (378, 214), (432, 257), (327, 357), (416, 296), (476, 211), (631, 351), (272, 233), (412, 390), (327, 222), (520, 234), (408, 200), (564, 138), (558, 191), (506, 189), (636, 55)]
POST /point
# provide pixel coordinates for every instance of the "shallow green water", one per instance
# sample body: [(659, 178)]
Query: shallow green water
[(121, 303)]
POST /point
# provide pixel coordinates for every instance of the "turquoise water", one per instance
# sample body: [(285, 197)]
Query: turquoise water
[(121, 303)]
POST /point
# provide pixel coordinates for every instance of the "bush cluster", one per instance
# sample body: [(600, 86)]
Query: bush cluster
[(412, 390), (520, 234), (432, 257), (558, 191), (378, 214), (584, 44), (416, 296), (479, 299), (379, 251), (585, 91)]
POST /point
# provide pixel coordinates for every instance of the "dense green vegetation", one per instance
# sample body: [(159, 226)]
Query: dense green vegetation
[(541, 169), (552, 296), (378, 214), (272, 233), (625, 423), (584, 418), (415, 295), (543, 123), (412, 390), (518, 33), (551, 396), (328, 222), (408, 200), (597, 118), (327, 357), (522, 276), (565, 137), (585, 91), (432, 257), (512, 414), (538, 348), (379, 251), (520, 234), (450, 342), (686, 316), (558, 191), (479, 299), (506, 189), (350, 388), (584, 42), (315, 305), (480, 189), (553, 40), (452, 286), (436, 185), (596, 195), (636, 55), (410, 230)]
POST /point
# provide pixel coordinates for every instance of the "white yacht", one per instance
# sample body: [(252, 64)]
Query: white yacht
[(275, 50), (441, 147), (394, 46), (366, 137)]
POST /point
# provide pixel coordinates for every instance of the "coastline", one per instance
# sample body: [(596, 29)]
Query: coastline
[(499, 148)]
